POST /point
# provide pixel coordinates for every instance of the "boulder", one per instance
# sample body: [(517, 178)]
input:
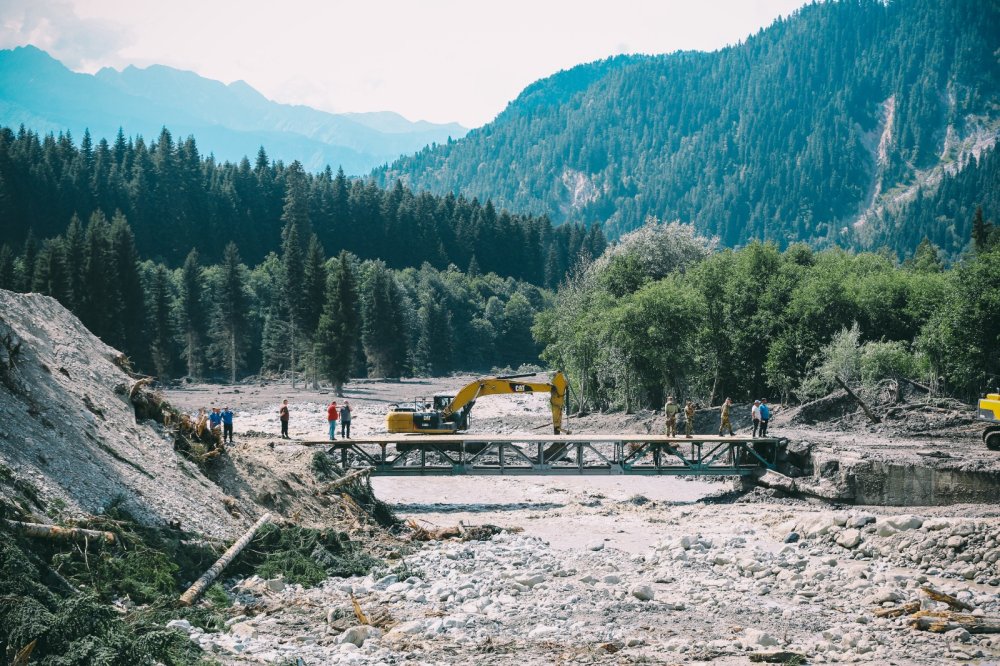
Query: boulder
[(849, 538), (643, 592)]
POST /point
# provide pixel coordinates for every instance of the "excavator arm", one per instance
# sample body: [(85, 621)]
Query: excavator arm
[(468, 395)]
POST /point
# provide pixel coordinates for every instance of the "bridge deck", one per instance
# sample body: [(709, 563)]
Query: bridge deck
[(534, 454)]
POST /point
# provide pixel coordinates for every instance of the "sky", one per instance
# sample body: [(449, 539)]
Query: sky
[(436, 60)]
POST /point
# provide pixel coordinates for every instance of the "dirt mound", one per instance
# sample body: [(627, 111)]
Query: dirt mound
[(72, 442)]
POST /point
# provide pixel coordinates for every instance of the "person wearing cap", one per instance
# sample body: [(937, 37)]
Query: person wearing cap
[(331, 416), (671, 409), (755, 416), (726, 424), (227, 425)]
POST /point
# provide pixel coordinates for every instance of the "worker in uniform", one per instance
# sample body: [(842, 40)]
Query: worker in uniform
[(672, 409), (726, 424), (689, 419)]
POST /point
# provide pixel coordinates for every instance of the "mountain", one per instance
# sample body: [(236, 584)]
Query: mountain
[(230, 121), (819, 128)]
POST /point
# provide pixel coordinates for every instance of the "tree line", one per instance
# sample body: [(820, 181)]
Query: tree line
[(664, 312), (174, 198), (296, 311)]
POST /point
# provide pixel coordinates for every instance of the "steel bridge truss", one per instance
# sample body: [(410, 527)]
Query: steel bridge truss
[(568, 455)]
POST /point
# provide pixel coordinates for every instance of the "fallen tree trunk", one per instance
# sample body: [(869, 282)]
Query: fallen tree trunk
[(940, 622), (344, 480), (937, 595), (864, 406), (908, 608), (206, 579), (41, 531)]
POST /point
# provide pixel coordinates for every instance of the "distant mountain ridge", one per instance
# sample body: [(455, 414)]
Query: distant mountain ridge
[(230, 121), (819, 128)]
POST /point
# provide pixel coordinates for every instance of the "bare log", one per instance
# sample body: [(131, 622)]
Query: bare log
[(206, 579), (938, 595), (919, 386), (940, 622), (908, 608), (868, 412), (777, 657), (344, 480), (41, 531)]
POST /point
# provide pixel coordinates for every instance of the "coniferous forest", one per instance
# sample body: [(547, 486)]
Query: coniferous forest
[(823, 120), (221, 270)]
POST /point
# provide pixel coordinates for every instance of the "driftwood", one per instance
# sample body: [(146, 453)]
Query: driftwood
[(206, 579), (344, 480), (777, 657), (940, 622), (937, 595), (868, 412), (908, 608), (40, 531)]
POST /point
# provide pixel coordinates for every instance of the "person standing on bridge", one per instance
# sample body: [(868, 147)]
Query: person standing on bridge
[(765, 416), (755, 416), (332, 415), (345, 420), (689, 419), (672, 409), (726, 424)]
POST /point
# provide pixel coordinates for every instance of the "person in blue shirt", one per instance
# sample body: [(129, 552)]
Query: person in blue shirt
[(227, 425), (765, 416), (215, 422)]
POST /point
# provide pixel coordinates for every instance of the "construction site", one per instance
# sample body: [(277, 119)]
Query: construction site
[(858, 530)]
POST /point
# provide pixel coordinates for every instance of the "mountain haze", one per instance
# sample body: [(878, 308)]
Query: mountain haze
[(230, 121), (818, 128)]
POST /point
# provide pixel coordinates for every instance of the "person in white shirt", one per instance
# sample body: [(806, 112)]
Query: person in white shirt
[(755, 416)]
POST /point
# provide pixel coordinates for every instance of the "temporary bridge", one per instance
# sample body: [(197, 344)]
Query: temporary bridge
[(426, 455)]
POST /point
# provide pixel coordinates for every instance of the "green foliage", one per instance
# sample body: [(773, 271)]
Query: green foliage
[(339, 329), (773, 139)]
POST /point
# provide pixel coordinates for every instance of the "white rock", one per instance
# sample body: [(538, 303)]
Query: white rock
[(542, 630), (398, 588), (243, 631), (183, 625), (903, 523), (411, 627), (530, 580), (859, 520), (643, 592), (755, 637), (611, 579), (849, 538)]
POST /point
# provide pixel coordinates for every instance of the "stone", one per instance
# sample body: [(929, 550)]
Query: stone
[(385, 581), (956, 542), (859, 520), (542, 630), (243, 631), (849, 538), (611, 579), (905, 522), (595, 545), (961, 635), (754, 637), (183, 625), (398, 588), (643, 592), (411, 627), (275, 585), (792, 537), (529, 580)]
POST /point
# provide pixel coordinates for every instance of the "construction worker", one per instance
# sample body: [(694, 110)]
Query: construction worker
[(726, 424), (672, 409), (688, 419)]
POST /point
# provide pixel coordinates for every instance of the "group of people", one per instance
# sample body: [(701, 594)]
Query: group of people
[(218, 420), (333, 415), (760, 414)]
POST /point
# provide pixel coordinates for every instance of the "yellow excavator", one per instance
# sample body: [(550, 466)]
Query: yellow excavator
[(989, 411), (448, 414)]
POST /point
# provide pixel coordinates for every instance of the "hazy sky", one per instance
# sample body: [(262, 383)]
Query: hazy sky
[(437, 60)]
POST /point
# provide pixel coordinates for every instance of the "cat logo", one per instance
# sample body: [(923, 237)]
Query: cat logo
[(521, 388)]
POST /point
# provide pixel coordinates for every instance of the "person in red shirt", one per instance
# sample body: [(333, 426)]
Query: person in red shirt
[(332, 415)]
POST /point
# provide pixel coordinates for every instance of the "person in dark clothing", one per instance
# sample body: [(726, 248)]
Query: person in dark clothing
[(227, 425), (345, 420), (765, 416), (283, 415)]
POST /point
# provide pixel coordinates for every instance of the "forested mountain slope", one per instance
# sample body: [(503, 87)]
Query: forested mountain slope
[(817, 128)]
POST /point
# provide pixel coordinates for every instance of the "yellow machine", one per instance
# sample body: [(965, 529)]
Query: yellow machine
[(989, 411), (448, 414)]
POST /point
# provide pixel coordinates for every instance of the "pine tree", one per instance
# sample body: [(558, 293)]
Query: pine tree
[(6, 267), (160, 322), (74, 255), (191, 315), (981, 231), (28, 258), (384, 327), (340, 325), (295, 215), (434, 346), (130, 323), (313, 296), (101, 307), (50, 271), (230, 327)]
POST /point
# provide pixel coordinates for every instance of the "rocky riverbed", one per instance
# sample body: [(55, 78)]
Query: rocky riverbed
[(716, 583)]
